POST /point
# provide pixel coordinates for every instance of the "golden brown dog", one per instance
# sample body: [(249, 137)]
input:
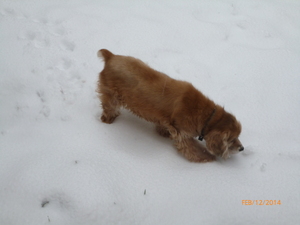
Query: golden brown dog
[(179, 110)]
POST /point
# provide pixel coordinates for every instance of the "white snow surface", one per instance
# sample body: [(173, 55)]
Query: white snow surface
[(59, 164)]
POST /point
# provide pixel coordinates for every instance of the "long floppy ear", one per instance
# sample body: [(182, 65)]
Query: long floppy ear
[(215, 143), (225, 136)]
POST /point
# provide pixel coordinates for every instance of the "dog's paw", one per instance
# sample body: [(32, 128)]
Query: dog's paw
[(107, 119), (202, 155), (207, 158), (199, 156), (202, 158)]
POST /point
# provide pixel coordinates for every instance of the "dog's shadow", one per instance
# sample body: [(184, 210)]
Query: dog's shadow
[(139, 135)]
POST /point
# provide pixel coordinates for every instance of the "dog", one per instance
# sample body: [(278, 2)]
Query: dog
[(179, 111)]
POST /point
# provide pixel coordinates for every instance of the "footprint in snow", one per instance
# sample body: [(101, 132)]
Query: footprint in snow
[(37, 39), (261, 166), (41, 95), (243, 25), (65, 64), (45, 111), (8, 12), (66, 79), (13, 13), (43, 21), (57, 31), (67, 45)]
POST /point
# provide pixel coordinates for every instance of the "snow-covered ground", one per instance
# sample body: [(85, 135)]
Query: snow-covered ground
[(60, 165)]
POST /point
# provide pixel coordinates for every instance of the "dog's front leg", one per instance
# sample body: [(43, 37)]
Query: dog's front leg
[(163, 131), (194, 151)]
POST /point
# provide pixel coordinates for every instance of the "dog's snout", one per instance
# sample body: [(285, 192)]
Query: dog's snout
[(241, 148)]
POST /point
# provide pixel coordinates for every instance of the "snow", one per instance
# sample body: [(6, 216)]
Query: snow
[(61, 165)]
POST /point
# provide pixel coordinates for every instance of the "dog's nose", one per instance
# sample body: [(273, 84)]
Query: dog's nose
[(241, 148)]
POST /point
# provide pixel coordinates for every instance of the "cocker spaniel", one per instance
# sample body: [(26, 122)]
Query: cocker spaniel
[(178, 109)]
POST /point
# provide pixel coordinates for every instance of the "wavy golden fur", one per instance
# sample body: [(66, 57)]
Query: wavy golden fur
[(179, 110)]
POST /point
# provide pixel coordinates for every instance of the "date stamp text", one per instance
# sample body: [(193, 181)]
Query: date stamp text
[(261, 202)]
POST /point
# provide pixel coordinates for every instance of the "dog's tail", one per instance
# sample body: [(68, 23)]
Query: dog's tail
[(104, 54)]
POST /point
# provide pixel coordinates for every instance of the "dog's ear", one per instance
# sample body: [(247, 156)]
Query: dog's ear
[(225, 135), (214, 143)]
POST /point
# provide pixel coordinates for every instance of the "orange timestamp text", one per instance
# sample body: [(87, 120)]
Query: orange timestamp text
[(261, 202)]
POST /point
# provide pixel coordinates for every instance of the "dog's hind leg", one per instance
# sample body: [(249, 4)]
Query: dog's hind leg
[(194, 151), (110, 105)]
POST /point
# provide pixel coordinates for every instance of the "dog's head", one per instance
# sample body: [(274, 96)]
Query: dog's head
[(222, 140)]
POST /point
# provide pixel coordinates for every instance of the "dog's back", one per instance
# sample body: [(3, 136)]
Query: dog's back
[(140, 88), (127, 67)]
